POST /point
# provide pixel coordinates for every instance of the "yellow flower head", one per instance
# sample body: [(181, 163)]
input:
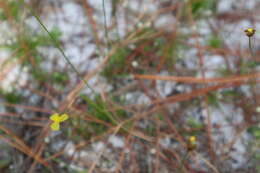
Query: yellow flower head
[(250, 32), (192, 143), (193, 139), (57, 119)]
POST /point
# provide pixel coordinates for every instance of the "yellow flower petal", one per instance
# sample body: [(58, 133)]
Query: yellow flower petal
[(63, 117), (55, 117), (55, 126), (192, 139), (250, 32), (192, 143)]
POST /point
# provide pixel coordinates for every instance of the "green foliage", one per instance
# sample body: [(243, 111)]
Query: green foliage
[(160, 116), (229, 93), (26, 48), (117, 64), (11, 97), (85, 171), (14, 10), (168, 50), (255, 131), (100, 110), (150, 130), (213, 99), (199, 7), (30, 41), (144, 34), (84, 130), (248, 66), (224, 71), (60, 78), (215, 42), (193, 123), (39, 74), (55, 33)]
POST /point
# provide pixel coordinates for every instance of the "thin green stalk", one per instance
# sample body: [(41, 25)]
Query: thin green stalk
[(105, 21), (57, 44), (250, 46), (73, 67), (67, 59), (108, 43)]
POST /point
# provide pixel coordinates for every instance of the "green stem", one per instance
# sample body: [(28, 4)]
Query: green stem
[(57, 44), (250, 46), (105, 21)]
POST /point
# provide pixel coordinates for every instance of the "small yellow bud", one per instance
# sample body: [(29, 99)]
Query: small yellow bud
[(192, 143), (250, 32), (192, 139)]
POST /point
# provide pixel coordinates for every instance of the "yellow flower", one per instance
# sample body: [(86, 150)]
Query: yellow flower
[(192, 143), (57, 119), (250, 32), (193, 139)]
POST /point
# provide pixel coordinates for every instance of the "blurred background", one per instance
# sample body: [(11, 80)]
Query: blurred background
[(139, 80)]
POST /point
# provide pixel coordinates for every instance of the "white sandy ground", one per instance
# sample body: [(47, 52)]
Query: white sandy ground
[(70, 19)]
